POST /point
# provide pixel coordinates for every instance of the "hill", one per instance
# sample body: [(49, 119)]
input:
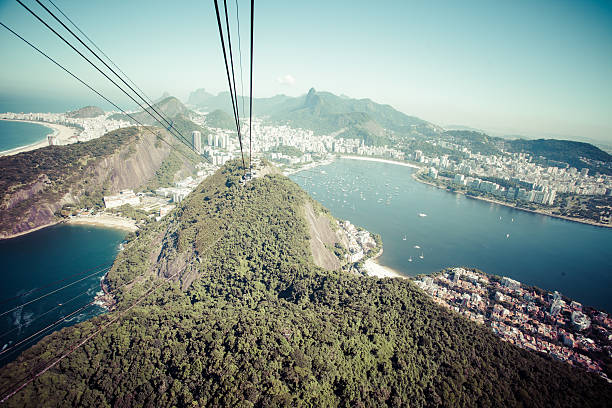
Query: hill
[(174, 110), (35, 185), (220, 119), (86, 112), (237, 313), (551, 152), (326, 113), (164, 95), (576, 154)]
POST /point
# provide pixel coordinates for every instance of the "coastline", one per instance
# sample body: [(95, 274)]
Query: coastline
[(63, 133), (375, 269), (493, 201), (19, 234), (104, 220)]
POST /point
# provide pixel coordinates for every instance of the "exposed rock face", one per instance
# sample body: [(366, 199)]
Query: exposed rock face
[(32, 206), (322, 237)]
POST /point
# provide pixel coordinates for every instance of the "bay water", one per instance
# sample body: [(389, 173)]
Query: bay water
[(425, 229)]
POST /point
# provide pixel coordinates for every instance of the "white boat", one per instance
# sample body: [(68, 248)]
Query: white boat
[(410, 259), (507, 235), (417, 247), (422, 215), (421, 256), (403, 239)]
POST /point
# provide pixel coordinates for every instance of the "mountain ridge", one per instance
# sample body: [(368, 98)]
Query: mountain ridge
[(36, 185), (250, 320)]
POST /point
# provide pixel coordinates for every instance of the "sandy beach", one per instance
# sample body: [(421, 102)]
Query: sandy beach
[(65, 135), (380, 271), (374, 159), (104, 220)]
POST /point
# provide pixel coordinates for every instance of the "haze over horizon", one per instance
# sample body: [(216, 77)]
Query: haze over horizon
[(521, 68)]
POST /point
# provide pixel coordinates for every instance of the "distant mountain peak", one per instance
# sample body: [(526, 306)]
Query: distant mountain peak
[(312, 99), (86, 112)]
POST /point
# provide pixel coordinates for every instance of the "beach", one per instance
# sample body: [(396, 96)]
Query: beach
[(64, 134), (104, 220), (375, 269)]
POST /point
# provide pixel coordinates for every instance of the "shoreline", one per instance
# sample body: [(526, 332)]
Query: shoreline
[(104, 220), (493, 201), (20, 234), (63, 133), (376, 270)]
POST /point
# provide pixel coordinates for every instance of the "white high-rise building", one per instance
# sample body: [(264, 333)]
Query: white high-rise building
[(210, 139), (217, 140), (197, 141)]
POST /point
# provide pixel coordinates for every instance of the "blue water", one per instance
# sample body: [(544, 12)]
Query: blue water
[(550, 253), (17, 134), (33, 261)]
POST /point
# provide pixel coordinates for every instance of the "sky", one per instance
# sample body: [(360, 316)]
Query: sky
[(535, 68)]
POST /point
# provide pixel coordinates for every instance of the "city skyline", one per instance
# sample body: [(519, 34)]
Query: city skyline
[(536, 70)]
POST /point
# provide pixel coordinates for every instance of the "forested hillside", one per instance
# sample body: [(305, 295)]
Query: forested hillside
[(239, 315), (35, 185)]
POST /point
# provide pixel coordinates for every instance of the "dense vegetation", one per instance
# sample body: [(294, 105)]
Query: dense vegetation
[(58, 162), (576, 154), (249, 320), (546, 152), (220, 119)]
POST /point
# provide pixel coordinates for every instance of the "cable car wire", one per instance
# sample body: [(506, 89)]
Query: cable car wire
[(229, 79), (95, 66), (147, 128), (251, 90)]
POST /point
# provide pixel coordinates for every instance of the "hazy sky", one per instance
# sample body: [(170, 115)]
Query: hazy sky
[(522, 67)]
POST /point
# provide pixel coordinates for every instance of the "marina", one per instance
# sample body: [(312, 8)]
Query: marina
[(546, 252)]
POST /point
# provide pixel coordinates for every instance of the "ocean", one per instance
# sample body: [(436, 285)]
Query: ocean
[(35, 264), (425, 229), (17, 134)]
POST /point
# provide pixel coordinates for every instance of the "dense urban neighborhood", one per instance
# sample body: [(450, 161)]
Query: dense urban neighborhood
[(528, 317)]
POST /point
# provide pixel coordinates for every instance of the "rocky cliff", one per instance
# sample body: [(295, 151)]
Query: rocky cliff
[(35, 185)]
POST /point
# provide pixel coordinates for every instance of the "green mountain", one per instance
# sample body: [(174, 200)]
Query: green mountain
[(223, 304), (546, 151), (86, 112), (576, 154), (326, 113), (35, 186), (220, 119), (174, 111)]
